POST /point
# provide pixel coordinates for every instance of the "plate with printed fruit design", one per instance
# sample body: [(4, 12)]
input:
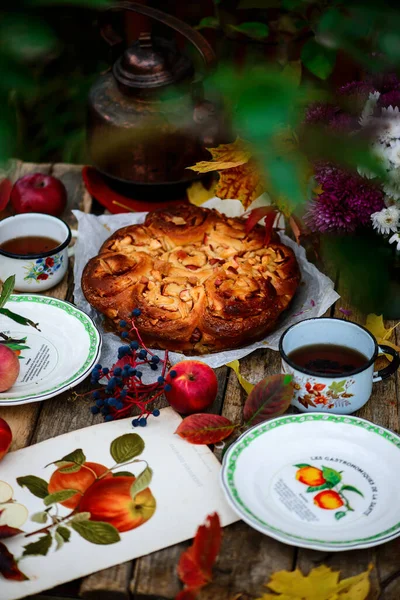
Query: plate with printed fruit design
[(56, 355), (318, 481)]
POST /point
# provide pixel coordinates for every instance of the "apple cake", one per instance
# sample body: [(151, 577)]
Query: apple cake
[(201, 282)]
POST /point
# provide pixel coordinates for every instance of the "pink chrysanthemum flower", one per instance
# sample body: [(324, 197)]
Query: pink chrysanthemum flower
[(346, 202)]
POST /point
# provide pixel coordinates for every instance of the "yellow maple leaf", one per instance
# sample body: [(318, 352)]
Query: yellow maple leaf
[(224, 156), (376, 326), (320, 584), (246, 385), (198, 194)]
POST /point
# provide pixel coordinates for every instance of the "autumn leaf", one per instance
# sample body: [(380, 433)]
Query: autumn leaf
[(376, 326), (240, 175), (246, 385), (195, 564), (270, 398), (320, 584), (204, 428), (8, 565), (198, 194), (225, 156)]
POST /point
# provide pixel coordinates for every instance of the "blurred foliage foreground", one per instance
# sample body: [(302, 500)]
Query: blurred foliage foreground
[(44, 65)]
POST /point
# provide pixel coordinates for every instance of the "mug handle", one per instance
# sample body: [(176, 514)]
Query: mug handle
[(71, 249), (390, 369)]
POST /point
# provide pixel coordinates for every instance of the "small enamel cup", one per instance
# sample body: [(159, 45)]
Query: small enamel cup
[(34, 272), (339, 394)]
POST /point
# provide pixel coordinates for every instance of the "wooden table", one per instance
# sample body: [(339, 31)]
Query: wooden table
[(247, 558)]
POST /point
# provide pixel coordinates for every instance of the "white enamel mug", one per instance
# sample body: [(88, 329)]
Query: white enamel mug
[(340, 394), (34, 272)]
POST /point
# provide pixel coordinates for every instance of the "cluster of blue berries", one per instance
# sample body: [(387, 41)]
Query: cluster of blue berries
[(124, 388)]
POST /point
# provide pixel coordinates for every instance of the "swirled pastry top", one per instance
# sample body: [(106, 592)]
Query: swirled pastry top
[(202, 284)]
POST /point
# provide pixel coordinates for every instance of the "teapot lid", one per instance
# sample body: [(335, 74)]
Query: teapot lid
[(151, 63)]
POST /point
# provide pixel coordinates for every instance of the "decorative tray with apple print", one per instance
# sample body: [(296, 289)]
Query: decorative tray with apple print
[(317, 481), (58, 355)]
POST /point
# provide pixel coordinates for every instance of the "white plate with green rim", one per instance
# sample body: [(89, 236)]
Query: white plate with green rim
[(326, 482), (57, 357)]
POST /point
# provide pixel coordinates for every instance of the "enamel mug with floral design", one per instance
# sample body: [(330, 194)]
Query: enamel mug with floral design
[(35, 272), (340, 394)]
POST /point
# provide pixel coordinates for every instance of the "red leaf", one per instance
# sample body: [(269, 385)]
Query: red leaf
[(203, 428), (195, 564), (256, 215), (6, 531), (5, 191), (8, 565), (295, 225), (268, 399), (269, 223)]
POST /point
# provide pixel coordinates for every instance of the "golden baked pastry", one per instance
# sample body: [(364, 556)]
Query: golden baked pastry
[(201, 283)]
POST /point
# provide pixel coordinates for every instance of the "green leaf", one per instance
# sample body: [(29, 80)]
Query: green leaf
[(208, 23), (247, 4), (302, 465), (96, 532), (59, 496), (252, 29), (18, 318), (36, 485), (38, 548), (123, 474), (40, 517), (71, 469), (77, 457), (337, 386), (82, 516), (270, 398), (340, 515), (64, 533), (351, 488), (7, 289), (141, 482), (126, 447), (59, 541), (318, 488), (26, 37), (331, 476), (319, 60)]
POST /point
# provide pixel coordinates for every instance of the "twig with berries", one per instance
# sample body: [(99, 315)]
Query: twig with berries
[(125, 389)]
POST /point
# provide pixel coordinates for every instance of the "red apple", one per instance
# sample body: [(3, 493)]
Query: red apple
[(39, 193), (109, 500), (191, 386), (77, 480), (5, 437), (9, 367)]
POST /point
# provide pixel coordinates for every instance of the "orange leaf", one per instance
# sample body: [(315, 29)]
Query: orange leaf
[(195, 564), (268, 399), (295, 226), (8, 565), (225, 156), (203, 428)]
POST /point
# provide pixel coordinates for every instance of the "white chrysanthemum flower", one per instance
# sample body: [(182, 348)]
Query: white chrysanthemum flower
[(369, 108), (386, 220), (391, 186), (395, 239)]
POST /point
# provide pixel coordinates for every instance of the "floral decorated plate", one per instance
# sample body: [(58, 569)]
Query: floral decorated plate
[(326, 482), (53, 358)]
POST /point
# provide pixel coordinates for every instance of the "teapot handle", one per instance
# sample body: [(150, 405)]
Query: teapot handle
[(187, 31)]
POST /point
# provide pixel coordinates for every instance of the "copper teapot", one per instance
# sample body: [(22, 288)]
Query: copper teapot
[(147, 118)]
